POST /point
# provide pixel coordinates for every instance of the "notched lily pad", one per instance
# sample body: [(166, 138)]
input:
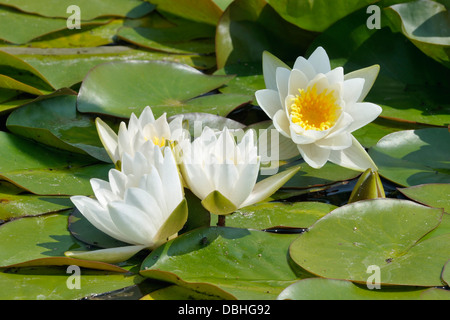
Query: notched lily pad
[(225, 263), (56, 122), (47, 171), (42, 241), (435, 195), (414, 157), (121, 88), (330, 289), (384, 233)]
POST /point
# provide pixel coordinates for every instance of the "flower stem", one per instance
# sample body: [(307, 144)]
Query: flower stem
[(221, 221)]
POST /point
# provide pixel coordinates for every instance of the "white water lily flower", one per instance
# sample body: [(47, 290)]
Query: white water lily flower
[(318, 108), (145, 128), (223, 173), (142, 205)]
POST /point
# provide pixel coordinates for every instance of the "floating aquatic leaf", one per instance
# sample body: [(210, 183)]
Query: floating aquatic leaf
[(384, 233), (413, 157)]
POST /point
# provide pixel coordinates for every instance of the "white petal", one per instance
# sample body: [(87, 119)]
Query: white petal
[(281, 123), (97, 216), (162, 126), (352, 90), (153, 185), (305, 66), (298, 135), (110, 255), (283, 82), (137, 165), (98, 184), (247, 145), (197, 179), (369, 74), (321, 83), (297, 80), (105, 196), (337, 142), (224, 178), (320, 61), (177, 132), (244, 185), (265, 188), (132, 222), (269, 101), (144, 201), (170, 179), (146, 116), (124, 140), (341, 125), (336, 75), (270, 65), (108, 138), (362, 114), (118, 182), (316, 134), (354, 157), (313, 155), (134, 125)]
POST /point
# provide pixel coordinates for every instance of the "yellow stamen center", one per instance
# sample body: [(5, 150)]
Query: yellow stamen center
[(161, 142), (315, 111)]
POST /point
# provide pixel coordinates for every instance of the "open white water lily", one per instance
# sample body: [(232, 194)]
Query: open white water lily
[(223, 173), (145, 128), (318, 108), (142, 205)]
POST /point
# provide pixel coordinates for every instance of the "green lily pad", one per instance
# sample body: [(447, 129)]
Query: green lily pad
[(184, 37), (329, 289), (425, 23), (89, 9), (47, 171), (25, 76), (248, 79), (316, 15), (56, 122), (216, 104), (225, 263), (14, 206), (121, 88), (7, 94), (282, 215), (203, 11), (12, 84), (51, 283), (371, 133), (178, 293), (413, 157), (42, 241), (85, 37), (248, 27), (435, 195), (383, 233), (167, 42), (64, 67), (309, 177), (446, 274), (15, 25), (8, 106)]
